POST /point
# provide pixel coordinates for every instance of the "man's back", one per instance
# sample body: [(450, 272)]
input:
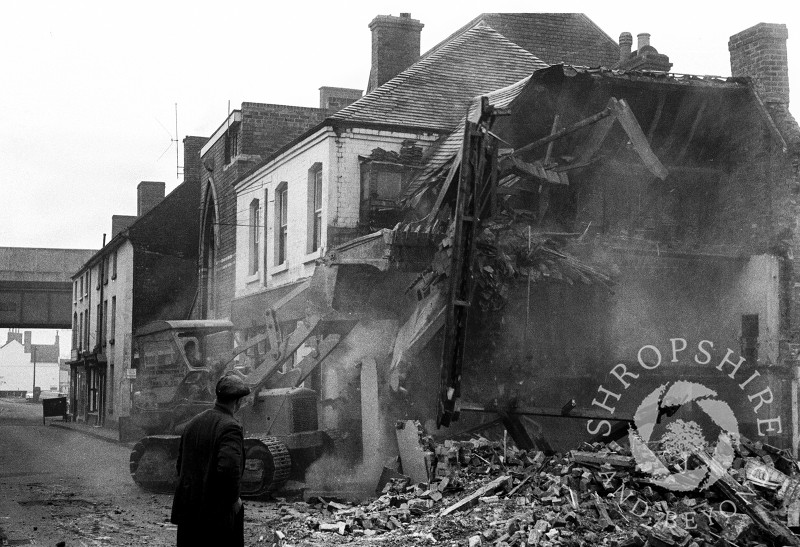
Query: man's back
[(210, 465)]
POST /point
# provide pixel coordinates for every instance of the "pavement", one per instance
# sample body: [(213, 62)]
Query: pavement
[(107, 434), (101, 433)]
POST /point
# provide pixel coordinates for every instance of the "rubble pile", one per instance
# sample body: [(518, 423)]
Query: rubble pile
[(484, 493)]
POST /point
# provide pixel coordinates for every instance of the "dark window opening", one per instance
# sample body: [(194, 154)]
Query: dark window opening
[(749, 340), (382, 186), (231, 143)]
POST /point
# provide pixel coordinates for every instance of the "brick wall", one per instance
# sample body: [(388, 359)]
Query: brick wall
[(267, 127), (263, 129), (760, 52), (191, 157), (395, 47), (334, 99)]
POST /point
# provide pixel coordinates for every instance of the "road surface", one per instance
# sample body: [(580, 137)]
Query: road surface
[(61, 485)]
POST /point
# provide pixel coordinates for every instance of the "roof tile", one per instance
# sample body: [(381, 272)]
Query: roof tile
[(434, 92)]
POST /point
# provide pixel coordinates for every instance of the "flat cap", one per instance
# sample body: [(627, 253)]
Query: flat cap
[(231, 387)]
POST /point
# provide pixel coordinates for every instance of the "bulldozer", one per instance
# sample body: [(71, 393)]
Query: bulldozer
[(177, 366)]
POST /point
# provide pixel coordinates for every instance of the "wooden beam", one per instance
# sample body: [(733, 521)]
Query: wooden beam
[(662, 97), (638, 139), (745, 500), (607, 111), (549, 153), (692, 131)]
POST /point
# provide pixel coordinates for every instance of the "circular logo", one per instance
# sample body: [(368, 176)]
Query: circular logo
[(682, 438)]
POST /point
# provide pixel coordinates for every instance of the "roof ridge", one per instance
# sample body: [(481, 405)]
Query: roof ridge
[(425, 62)]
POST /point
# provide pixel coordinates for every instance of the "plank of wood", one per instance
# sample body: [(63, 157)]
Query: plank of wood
[(638, 139), (472, 499), (745, 501), (608, 523), (412, 457), (595, 458)]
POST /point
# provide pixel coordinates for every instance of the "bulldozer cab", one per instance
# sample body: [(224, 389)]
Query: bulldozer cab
[(177, 360)]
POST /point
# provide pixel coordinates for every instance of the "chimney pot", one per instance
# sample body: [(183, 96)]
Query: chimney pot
[(625, 44), (643, 40), (405, 15)]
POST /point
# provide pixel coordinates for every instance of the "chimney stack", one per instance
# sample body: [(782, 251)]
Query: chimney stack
[(191, 158), (27, 342), (760, 53), (120, 223), (336, 98), (14, 334), (625, 44), (395, 47), (149, 194), (643, 39)]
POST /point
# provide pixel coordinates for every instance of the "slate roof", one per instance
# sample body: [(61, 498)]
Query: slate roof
[(569, 38), (435, 92), (447, 150)]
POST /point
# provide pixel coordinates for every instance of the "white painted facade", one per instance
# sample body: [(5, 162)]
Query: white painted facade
[(336, 153), (16, 370), (114, 293)]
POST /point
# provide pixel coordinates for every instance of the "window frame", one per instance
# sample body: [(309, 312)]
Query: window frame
[(281, 223), (315, 203), (114, 265), (75, 333), (254, 232), (265, 258), (113, 319)]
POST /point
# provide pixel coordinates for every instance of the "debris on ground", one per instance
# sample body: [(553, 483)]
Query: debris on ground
[(483, 493)]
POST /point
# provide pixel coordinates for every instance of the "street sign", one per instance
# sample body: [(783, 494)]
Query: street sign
[(130, 373)]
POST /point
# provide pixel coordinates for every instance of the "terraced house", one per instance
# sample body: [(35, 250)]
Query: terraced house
[(342, 178)]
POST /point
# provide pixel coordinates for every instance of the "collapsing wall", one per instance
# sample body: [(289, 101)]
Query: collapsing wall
[(696, 242)]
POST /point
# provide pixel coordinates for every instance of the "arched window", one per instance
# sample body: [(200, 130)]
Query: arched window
[(208, 249), (254, 230)]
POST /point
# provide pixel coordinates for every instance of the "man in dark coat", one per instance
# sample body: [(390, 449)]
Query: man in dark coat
[(207, 507)]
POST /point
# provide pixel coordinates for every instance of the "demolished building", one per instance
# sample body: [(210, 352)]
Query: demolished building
[(641, 236), (637, 233)]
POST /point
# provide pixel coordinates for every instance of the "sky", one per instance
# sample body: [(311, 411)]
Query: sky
[(88, 89), (46, 337)]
